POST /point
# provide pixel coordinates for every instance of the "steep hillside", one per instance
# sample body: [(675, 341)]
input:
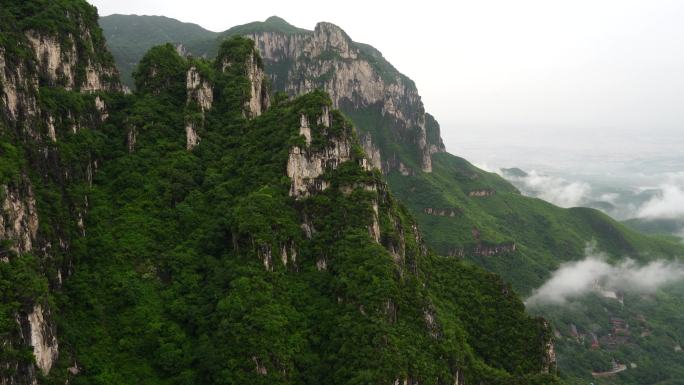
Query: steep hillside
[(55, 78), (203, 230), (464, 212), (259, 243)]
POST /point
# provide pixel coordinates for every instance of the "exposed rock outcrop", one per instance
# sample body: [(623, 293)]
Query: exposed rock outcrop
[(191, 137), (52, 61), (42, 339), (356, 76), (487, 192), (199, 90), (484, 250), (58, 60), (19, 217), (18, 100), (549, 359), (431, 322), (443, 212), (259, 98), (372, 152), (200, 94), (306, 165)]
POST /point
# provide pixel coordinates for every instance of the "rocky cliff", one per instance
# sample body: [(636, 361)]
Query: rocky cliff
[(357, 78), (53, 76)]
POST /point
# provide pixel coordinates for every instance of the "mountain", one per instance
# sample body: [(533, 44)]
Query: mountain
[(205, 230), (660, 226), (130, 36), (468, 213), (55, 75)]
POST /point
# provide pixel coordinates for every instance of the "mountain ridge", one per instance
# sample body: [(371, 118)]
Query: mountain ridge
[(463, 212), (202, 230)]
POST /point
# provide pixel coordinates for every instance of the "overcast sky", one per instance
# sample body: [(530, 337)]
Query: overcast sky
[(548, 71)]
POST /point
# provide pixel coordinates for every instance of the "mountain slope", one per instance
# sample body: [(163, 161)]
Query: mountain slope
[(463, 211), (55, 78), (317, 277), (201, 231), (130, 36)]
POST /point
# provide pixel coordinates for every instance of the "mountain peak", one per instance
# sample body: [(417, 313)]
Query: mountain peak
[(277, 19), (331, 29), (272, 24)]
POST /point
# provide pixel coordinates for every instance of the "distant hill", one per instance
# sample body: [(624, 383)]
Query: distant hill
[(272, 24), (515, 172), (129, 37), (656, 226)]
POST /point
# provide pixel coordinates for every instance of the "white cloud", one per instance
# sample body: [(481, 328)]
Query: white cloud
[(575, 279), (556, 190), (609, 197), (667, 204)]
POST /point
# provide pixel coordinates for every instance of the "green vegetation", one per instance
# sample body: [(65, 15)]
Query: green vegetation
[(272, 24), (64, 20), (19, 284), (170, 285), (648, 348), (663, 227), (129, 37), (11, 162), (193, 267), (546, 236)]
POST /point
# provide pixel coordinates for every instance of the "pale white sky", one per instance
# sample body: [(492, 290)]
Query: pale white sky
[(547, 71)]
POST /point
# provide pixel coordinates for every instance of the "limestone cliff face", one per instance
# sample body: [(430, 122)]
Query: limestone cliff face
[(549, 359), (259, 97), (19, 217), (200, 94), (356, 77), (77, 63), (15, 80), (59, 61), (43, 339), (305, 165), (199, 90)]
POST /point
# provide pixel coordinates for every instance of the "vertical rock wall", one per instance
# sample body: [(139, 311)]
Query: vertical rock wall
[(355, 76)]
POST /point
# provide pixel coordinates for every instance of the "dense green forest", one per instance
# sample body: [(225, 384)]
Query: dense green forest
[(522, 239), (171, 285), (180, 265), (159, 262)]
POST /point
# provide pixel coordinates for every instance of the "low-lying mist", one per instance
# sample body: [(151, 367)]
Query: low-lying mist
[(651, 203), (553, 189), (668, 203), (576, 279)]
